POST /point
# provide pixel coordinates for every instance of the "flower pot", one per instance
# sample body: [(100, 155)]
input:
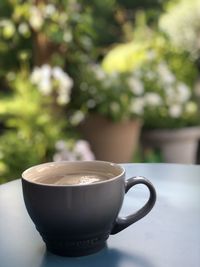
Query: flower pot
[(115, 142), (177, 145)]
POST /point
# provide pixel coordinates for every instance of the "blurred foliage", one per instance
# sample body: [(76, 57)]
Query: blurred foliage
[(77, 35), (73, 29), (152, 155), (143, 4), (181, 23), (31, 127), (160, 67), (148, 155), (107, 94), (131, 55)]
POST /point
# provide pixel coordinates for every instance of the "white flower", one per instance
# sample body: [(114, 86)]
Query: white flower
[(114, 75), (65, 84), (23, 28), (11, 76), (63, 98), (151, 75), (41, 76), (110, 78), (136, 86), (36, 75), (181, 23), (60, 145), (57, 157), (63, 18), (57, 73), (48, 79), (175, 111), (64, 155), (153, 99), (35, 18), (67, 36), (8, 28), (138, 73), (99, 72), (179, 94), (151, 54), (165, 73), (63, 78), (63, 151), (77, 117), (191, 107), (91, 103), (45, 86), (183, 92), (171, 94), (114, 106), (137, 106), (49, 10), (46, 71), (80, 151), (83, 151)]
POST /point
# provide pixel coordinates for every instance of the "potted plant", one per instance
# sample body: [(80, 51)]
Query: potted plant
[(177, 132), (112, 113), (172, 123), (171, 114)]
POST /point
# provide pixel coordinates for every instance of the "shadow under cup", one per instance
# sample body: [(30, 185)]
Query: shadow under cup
[(77, 219)]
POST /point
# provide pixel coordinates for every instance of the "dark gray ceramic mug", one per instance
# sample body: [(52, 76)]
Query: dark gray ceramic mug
[(76, 220)]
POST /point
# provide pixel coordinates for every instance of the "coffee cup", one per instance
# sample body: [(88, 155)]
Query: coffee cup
[(75, 205)]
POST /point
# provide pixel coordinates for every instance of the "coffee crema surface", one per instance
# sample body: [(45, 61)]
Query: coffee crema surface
[(74, 178)]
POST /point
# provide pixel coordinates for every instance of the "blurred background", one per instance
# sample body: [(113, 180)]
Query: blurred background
[(115, 80)]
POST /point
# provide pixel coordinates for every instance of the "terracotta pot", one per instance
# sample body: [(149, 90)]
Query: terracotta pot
[(177, 146), (115, 142)]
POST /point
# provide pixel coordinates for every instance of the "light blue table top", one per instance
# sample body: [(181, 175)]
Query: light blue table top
[(169, 236)]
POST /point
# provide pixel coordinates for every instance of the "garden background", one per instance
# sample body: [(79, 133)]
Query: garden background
[(65, 65)]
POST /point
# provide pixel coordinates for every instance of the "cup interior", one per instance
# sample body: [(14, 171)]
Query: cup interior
[(47, 173)]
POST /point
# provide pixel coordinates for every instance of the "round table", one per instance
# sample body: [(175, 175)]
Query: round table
[(169, 236)]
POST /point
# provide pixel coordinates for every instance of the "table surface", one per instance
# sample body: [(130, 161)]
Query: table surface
[(169, 236)]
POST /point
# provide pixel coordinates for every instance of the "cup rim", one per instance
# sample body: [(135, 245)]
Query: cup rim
[(73, 162)]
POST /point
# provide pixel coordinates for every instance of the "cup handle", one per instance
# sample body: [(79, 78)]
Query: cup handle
[(123, 222)]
